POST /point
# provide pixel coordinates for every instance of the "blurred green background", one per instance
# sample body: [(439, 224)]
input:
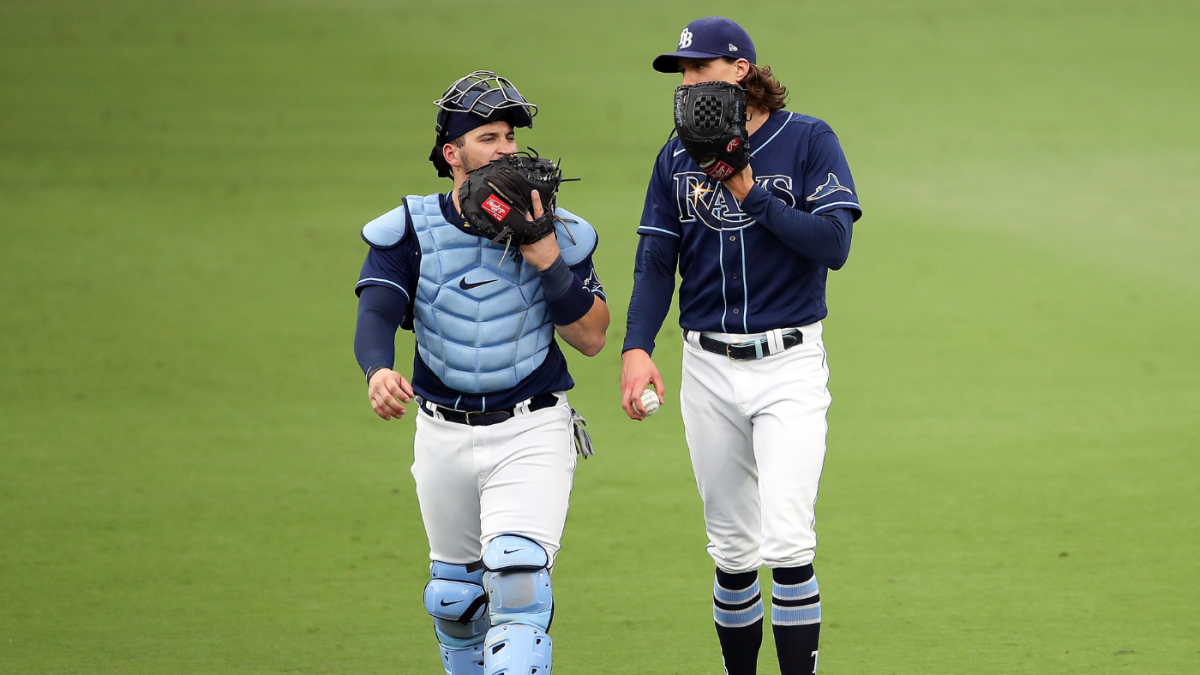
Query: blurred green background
[(192, 481)]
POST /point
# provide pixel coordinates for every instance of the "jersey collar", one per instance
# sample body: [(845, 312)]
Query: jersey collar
[(772, 121), (452, 215), (768, 131)]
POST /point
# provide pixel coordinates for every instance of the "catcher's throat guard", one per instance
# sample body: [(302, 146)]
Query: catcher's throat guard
[(710, 119)]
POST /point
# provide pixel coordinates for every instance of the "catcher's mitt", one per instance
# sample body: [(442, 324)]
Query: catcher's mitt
[(496, 197), (710, 119)]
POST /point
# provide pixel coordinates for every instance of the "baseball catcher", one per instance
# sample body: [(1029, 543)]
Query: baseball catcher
[(494, 501), (710, 119)]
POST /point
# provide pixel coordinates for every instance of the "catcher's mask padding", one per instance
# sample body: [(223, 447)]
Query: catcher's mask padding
[(472, 101)]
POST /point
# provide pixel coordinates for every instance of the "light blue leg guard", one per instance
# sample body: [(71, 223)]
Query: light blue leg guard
[(521, 606), (455, 598)]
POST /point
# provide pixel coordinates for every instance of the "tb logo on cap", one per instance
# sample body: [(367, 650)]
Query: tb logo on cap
[(685, 39)]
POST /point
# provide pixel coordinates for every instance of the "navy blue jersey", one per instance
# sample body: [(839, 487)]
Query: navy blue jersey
[(756, 265), (398, 268)]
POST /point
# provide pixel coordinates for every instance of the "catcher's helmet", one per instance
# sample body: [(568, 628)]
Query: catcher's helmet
[(472, 101)]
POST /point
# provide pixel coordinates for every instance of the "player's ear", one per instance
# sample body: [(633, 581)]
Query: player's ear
[(450, 154), (743, 69)]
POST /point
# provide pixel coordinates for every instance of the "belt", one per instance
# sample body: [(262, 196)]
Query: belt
[(483, 419), (755, 349)]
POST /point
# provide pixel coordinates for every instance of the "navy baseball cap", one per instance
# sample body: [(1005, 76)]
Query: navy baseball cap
[(480, 108), (709, 38)]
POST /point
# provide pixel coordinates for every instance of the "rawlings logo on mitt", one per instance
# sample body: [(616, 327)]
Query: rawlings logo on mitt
[(710, 119), (496, 197)]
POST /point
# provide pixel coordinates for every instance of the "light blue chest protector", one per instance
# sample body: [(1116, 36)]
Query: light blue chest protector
[(480, 317)]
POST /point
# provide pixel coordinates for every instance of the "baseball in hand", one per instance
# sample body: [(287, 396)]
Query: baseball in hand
[(650, 401)]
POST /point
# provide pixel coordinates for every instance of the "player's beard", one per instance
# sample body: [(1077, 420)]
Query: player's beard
[(468, 162)]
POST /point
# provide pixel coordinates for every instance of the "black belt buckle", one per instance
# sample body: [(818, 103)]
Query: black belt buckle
[(746, 351)]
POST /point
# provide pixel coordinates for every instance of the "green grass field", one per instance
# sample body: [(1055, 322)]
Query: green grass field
[(192, 481)]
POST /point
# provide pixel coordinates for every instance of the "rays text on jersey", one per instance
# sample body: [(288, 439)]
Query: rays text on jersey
[(710, 202)]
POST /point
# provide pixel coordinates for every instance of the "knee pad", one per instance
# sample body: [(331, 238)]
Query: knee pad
[(518, 649), (463, 661), (518, 583), (455, 598)]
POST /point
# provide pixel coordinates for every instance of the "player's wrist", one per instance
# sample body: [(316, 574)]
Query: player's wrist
[(740, 184), (556, 278), (373, 371), (542, 254)]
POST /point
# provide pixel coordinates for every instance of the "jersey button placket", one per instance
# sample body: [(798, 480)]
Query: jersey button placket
[(735, 295)]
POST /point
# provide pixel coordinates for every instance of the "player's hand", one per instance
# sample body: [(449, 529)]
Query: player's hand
[(543, 252), (388, 391), (740, 183), (638, 372)]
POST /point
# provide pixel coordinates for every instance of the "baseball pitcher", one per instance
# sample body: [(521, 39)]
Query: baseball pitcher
[(485, 274), (754, 204)]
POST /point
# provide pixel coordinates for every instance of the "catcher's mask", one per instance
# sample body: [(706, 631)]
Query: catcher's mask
[(472, 101)]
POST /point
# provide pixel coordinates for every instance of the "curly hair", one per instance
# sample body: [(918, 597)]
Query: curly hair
[(762, 89)]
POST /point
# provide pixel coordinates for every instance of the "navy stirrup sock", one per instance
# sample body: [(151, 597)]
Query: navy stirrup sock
[(796, 619), (738, 614)]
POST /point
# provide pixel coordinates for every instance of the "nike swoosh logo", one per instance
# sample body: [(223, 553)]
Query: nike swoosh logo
[(443, 603), (679, 151), (466, 287), (506, 552)]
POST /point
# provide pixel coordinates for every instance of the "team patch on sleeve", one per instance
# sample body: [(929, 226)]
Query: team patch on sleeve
[(592, 283), (830, 186)]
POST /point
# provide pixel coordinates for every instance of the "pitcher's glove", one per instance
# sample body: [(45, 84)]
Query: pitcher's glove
[(496, 197), (710, 119)]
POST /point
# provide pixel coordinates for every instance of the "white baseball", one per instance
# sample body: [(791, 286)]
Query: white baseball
[(650, 401)]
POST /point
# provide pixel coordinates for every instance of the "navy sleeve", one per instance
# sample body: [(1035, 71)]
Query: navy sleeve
[(827, 183), (390, 267), (653, 287), (397, 267), (586, 273), (380, 311), (656, 259), (822, 238), (660, 214), (394, 258)]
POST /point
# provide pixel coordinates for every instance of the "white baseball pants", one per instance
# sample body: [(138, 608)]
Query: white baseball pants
[(475, 483), (756, 433)]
